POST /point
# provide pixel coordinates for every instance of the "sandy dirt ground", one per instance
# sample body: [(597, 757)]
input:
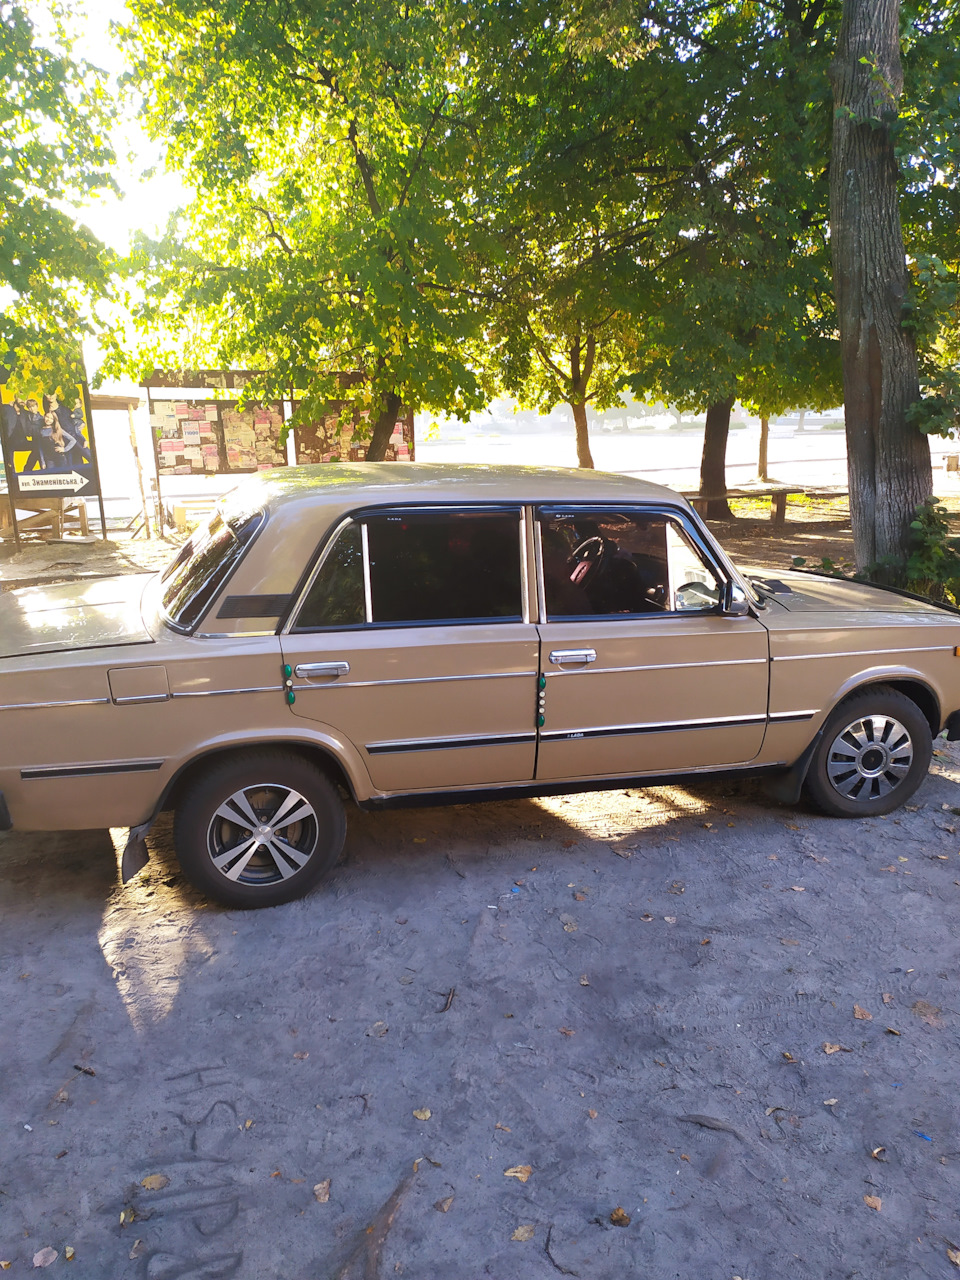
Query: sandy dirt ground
[(495, 1026), (680, 1032)]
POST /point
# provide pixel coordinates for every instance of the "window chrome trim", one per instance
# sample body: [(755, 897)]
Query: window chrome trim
[(367, 586), (312, 575), (694, 532)]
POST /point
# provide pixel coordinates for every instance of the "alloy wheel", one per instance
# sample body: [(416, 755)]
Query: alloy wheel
[(262, 835)]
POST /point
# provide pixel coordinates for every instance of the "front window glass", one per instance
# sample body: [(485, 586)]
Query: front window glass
[(194, 579), (609, 563), (336, 597), (445, 566)]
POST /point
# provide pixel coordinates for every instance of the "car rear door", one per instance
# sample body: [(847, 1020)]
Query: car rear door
[(413, 639), (641, 670)]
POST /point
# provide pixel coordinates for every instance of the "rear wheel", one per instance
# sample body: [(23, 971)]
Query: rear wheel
[(874, 752), (259, 829)]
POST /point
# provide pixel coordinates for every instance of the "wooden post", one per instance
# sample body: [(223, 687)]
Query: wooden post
[(136, 458)]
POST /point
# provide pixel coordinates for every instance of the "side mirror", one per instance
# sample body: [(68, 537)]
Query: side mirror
[(735, 600)]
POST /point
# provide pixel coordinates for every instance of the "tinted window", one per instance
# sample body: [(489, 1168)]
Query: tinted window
[(205, 562), (613, 563), (427, 566), (336, 597)]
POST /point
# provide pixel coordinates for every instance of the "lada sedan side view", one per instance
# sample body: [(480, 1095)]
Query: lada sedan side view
[(387, 633)]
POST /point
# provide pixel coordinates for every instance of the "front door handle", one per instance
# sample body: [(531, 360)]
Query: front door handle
[(559, 656), (305, 670)]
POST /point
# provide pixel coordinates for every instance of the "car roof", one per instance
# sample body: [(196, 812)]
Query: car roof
[(361, 484)]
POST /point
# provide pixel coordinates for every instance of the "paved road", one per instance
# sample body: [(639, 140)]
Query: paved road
[(668, 457), (629, 992)]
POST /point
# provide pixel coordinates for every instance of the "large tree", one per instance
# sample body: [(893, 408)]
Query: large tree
[(888, 458), (54, 114), (333, 165)]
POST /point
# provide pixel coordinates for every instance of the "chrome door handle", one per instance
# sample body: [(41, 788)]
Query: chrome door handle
[(573, 655), (308, 669)]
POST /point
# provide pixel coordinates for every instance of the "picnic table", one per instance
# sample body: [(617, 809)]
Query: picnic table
[(777, 493)]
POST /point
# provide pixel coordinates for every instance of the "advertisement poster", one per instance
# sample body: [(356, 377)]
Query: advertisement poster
[(47, 440), (214, 436), (329, 440)]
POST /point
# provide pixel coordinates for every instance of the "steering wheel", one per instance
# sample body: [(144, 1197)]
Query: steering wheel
[(588, 560)]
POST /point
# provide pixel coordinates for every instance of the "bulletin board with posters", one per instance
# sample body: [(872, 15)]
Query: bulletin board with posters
[(47, 439), (216, 437), (333, 440)]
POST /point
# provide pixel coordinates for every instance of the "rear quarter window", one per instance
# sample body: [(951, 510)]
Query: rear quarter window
[(197, 575)]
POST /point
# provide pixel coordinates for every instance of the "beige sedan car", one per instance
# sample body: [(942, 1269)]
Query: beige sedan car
[(385, 633)]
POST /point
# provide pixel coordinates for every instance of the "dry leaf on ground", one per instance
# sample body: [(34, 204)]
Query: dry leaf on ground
[(927, 1011), (443, 1206), (877, 1152), (619, 1218), (567, 1031), (155, 1182), (301, 1056), (952, 1254), (44, 1257), (592, 1114), (861, 1013), (321, 1192), (423, 1113), (519, 1171), (834, 1048), (69, 1253), (505, 1127), (583, 980), (525, 1232), (873, 1202), (378, 1029), (888, 997)]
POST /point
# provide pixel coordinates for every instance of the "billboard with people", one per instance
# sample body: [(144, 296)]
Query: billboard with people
[(47, 441)]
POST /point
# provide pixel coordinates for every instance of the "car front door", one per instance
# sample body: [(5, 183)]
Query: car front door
[(641, 670), (413, 640)]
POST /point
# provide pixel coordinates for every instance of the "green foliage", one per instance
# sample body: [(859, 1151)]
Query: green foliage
[(931, 569), (54, 114), (334, 166)]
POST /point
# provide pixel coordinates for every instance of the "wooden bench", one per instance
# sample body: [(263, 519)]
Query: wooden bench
[(52, 518), (777, 493)]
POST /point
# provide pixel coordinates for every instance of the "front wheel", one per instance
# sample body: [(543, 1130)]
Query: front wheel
[(259, 829), (873, 753)]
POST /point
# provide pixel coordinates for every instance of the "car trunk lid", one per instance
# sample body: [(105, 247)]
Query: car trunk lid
[(71, 615)]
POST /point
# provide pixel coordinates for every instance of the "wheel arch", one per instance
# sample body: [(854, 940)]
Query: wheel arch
[(321, 756), (911, 685)]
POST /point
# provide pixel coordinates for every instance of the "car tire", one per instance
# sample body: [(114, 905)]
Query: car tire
[(230, 844), (873, 753)]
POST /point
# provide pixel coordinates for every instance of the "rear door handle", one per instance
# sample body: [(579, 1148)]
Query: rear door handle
[(307, 669), (559, 656)]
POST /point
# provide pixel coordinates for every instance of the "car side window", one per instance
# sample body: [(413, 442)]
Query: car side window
[(335, 598), (445, 566), (605, 563)]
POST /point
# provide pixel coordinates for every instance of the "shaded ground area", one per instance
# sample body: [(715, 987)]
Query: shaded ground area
[(636, 994)]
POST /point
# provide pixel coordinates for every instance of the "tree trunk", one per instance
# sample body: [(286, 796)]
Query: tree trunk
[(390, 407), (800, 417), (713, 466), (762, 472), (584, 456), (888, 460)]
